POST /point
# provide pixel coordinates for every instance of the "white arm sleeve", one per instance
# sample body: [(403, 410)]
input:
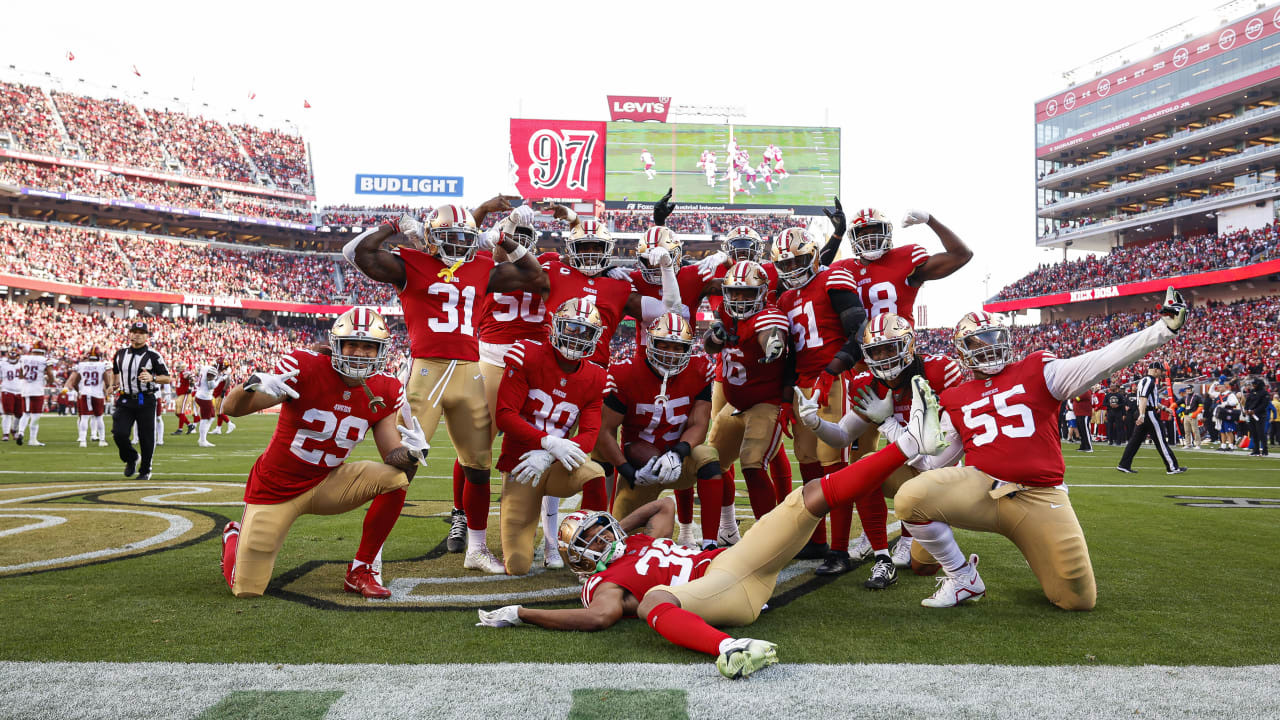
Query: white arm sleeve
[(651, 309), (349, 250), (842, 434), (670, 288), (1070, 376)]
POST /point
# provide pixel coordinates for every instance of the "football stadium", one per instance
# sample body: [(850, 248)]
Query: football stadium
[(641, 413)]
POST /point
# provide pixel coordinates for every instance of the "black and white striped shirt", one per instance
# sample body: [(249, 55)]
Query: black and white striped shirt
[(129, 362), (1149, 388)]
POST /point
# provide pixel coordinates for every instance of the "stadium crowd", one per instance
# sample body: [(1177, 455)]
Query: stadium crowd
[(25, 114), (110, 130), (1163, 258), (204, 147), (280, 155), (367, 216), (256, 207), (766, 225)]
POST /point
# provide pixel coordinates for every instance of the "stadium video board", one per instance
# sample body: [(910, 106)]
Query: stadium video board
[(722, 166)]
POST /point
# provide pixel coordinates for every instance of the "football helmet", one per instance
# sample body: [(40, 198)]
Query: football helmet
[(888, 345), (742, 243), (39, 348), (658, 237), (94, 354), (585, 546), (576, 328), (871, 234), (589, 246), (364, 325), (795, 257), (675, 335), (982, 340), (14, 352), (452, 234), (744, 288), (525, 235)]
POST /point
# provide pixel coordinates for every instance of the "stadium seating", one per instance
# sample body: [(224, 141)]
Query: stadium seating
[(367, 216), (204, 147), (280, 155), (110, 130), (25, 114)]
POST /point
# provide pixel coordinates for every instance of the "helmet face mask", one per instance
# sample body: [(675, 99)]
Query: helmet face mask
[(366, 327), (657, 237), (589, 541), (670, 344), (888, 346), (576, 328), (452, 233), (589, 247), (983, 343), (743, 243), (871, 235), (744, 289), (795, 257)]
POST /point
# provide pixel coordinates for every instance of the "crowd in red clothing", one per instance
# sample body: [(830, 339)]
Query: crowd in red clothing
[(24, 113), (279, 154), (368, 216), (766, 225), (204, 147), (1164, 258), (110, 130), (258, 207)]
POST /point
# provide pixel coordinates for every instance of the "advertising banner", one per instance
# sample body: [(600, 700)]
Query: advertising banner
[(414, 185), (561, 159), (638, 108)]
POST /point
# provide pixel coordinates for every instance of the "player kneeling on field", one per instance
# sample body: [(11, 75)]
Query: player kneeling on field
[(663, 405), (681, 592), (325, 414), (546, 391)]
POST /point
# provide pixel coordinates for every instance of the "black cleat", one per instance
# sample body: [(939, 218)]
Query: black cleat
[(179, 431), (457, 540), (837, 562), (144, 477), (883, 574), (813, 551), (130, 468)]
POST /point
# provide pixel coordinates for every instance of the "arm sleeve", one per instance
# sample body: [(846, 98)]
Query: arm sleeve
[(828, 253), (925, 463), (511, 394), (1068, 377), (842, 434), (852, 317), (653, 308)]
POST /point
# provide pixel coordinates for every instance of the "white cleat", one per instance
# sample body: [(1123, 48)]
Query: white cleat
[(36, 443), (231, 427), (102, 443), (744, 656), (925, 423), (551, 559), (216, 431), (902, 552), (861, 548), (688, 535), (205, 444), (84, 444), (965, 586), (482, 559)]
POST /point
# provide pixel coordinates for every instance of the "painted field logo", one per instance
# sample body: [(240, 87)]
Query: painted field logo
[(51, 527), (1227, 502)]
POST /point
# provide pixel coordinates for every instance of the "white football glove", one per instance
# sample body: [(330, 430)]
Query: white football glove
[(648, 474), (658, 257), (414, 440), (489, 239), (565, 451), (871, 406), (807, 410), (707, 265), (410, 227), (619, 273), (773, 349), (914, 217), (533, 465), (668, 467), (1173, 309), (523, 216), (508, 616), (273, 385)]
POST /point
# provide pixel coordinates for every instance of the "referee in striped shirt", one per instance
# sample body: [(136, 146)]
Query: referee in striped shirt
[(1148, 423), (137, 374)]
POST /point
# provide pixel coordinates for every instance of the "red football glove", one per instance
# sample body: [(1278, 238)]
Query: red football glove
[(823, 386), (786, 418)]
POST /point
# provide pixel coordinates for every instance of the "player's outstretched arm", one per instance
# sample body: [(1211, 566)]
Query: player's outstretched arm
[(827, 254), (497, 203), (390, 446), (605, 610), (954, 256), (240, 402), (658, 516), (521, 273), (73, 381)]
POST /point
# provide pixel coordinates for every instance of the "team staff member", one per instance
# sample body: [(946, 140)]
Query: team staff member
[(1082, 406), (137, 372), (1148, 423)]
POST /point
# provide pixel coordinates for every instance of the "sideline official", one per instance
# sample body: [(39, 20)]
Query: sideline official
[(1148, 423), (137, 372)]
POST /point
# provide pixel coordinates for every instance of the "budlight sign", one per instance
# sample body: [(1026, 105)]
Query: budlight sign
[(435, 185)]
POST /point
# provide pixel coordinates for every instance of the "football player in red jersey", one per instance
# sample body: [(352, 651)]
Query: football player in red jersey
[(825, 317), (1012, 481), (440, 291), (881, 395), (547, 390), (682, 592), (182, 388), (664, 400), (751, 339), (302, 471)]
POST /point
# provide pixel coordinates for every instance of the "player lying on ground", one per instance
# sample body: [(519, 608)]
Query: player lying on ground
[(325, 415), (681, 592)]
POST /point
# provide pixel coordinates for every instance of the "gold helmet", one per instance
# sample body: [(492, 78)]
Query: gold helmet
[(742, 243), (871, 234), (658, 237), (744, 287), (452, 234), (576, 328), (795, 257), (888, 345), (363, 325), (589, 247), (982, 340), (584, 544), (675, 335)]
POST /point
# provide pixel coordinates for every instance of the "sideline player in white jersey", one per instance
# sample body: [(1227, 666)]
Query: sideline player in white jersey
[(709, 167), (35, 371), (88, 379), (647, 159), (206, 379), (11, 389)]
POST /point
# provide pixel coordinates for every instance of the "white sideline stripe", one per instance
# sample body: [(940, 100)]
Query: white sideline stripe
[(151, 690), (178, 525)]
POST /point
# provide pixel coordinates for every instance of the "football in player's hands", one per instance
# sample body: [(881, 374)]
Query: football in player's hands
[(639, 452), (914, 217), (1174, 309), (508, 616), (836, 216)]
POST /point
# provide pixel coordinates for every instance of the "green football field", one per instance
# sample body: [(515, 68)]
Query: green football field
[(96, 568), (812, 157)]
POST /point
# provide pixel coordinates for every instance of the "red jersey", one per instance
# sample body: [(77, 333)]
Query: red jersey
[(440, 312), (1009, 423), (317, 429), (610, 298), (182, 384), (508, 317), (883, 286), (647, 563), (536, 398), (939, 370), (747, 381), (816, 332), (634, 384), (691, 285)]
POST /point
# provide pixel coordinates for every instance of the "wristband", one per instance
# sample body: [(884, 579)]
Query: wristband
[(682, 449), (628, 473), (519, 252), (572, 216)]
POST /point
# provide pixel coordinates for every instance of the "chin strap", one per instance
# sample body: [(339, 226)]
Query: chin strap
[(615, 550), (375, 401), (449, 272)]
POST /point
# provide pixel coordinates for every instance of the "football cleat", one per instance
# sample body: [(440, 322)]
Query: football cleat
[(861, 549), (215, 431), (551, 559), (688, 535), (965, 586), (177, 432), (837, 562), (144, 477), (883, 574), (729, 536), (35, 443), (902, 552), (482, 559), (1128, 471), (1176, 471), (18, 437), (925, 423), (84, 444), (231, 427), (205, 444), (457, 540), (745, 656), (361, 580), (130, 468), (813, 551), (102, 442)]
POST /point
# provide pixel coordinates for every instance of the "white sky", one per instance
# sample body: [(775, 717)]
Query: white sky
[(935, 99)]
